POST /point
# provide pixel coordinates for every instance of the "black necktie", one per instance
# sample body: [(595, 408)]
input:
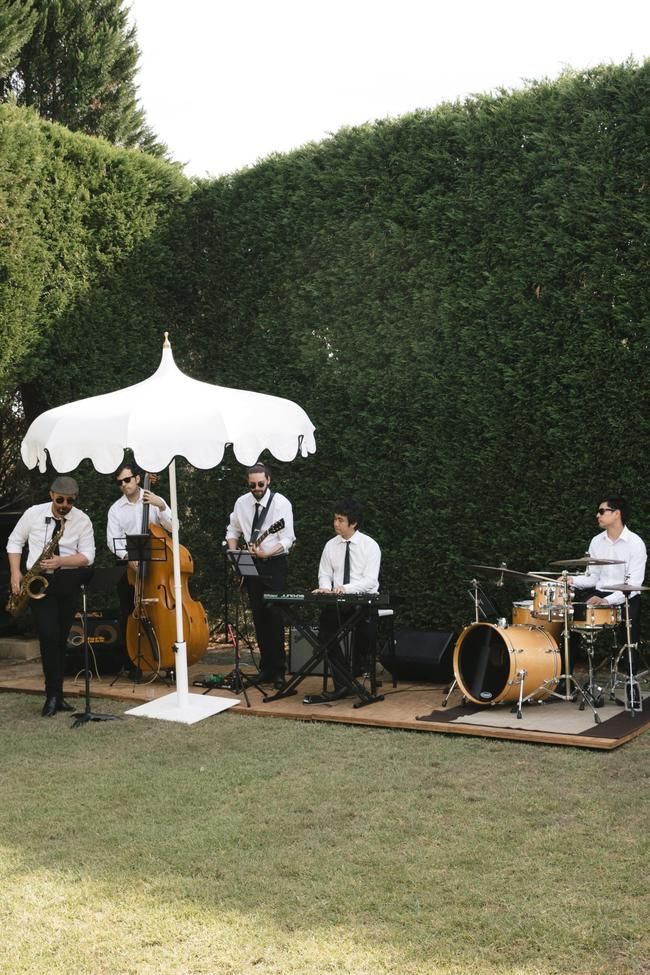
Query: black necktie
[(256, 518), (346, 565)]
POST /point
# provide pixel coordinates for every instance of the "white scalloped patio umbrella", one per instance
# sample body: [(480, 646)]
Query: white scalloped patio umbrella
[(166, 416)]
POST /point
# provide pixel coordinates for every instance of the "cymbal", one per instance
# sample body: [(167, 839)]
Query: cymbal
[(588, 561), (627, 588), (510, 572)]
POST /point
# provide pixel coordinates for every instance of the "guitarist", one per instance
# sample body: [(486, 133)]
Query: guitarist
[(253, 514)]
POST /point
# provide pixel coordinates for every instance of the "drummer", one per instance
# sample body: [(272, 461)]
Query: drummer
[(614, 544)]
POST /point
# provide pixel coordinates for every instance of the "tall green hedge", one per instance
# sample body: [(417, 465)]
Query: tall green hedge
[(458, 298)]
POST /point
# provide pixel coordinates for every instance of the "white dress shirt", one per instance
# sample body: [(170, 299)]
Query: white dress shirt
[(629, 549), (125, 518), (241, 520), (365, 560), (36, 527)]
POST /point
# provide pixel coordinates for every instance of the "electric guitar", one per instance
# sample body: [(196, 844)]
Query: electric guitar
[(275, 527)]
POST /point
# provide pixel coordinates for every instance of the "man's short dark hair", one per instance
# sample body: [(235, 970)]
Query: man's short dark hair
[(351, 509), (618, 503), (127, 466), (258, 469)]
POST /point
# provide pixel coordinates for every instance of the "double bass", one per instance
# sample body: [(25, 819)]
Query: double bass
[(151, 627)]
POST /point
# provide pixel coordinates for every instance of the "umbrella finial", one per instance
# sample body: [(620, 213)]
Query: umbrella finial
[(167, 344)]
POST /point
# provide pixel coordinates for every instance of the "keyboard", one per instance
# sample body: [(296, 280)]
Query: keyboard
[(328, 598)]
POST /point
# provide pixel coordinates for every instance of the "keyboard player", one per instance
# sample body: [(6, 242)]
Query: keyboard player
[(349, 564)]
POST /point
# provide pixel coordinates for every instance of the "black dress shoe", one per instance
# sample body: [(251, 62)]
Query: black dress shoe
[(62, 705), (338, 694), (265, 677), (49, 708)]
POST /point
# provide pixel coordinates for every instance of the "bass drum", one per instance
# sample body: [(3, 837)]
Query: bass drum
[(488, 658)]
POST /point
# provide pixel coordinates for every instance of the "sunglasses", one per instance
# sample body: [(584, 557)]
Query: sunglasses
[(601, 511), (64, 499), (253, 484), (124, 480)]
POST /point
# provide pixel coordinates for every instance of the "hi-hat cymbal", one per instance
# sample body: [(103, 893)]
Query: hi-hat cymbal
[(627, 588), (510, 572), (587, 561)]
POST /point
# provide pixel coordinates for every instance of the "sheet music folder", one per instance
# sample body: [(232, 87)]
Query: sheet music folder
[(242, 562), (143, 548)]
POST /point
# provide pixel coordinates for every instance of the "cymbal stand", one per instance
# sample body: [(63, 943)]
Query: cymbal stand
[(475, 599), (633, 700), (567, 676)]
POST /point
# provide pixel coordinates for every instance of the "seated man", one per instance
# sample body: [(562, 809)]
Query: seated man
[(349, 564), (622, 554)]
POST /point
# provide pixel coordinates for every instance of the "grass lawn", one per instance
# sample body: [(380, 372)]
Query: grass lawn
[(251, 845)]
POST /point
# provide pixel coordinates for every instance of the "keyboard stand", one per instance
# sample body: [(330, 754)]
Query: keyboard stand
[(342, 674)]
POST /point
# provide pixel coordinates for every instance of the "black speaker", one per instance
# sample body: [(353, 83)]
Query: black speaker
[(426, 655), (105, 641)]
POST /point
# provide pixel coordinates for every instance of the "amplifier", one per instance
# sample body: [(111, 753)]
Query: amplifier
[(105, 641), (301, 650)]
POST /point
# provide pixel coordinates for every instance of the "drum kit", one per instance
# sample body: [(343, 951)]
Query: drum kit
[(528, 660)]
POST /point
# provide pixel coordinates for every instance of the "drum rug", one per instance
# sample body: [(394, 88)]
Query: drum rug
[(551, 718)]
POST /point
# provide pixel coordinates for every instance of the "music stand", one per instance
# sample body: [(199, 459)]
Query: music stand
[(83, 717), (243, 566)]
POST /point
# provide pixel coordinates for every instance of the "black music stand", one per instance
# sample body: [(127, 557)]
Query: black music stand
[(243, 566), (83, 717)]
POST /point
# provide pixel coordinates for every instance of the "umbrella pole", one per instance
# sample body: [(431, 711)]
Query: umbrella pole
[(182, 683)]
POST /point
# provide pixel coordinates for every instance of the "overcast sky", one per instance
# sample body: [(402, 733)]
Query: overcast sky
[(227, 83)]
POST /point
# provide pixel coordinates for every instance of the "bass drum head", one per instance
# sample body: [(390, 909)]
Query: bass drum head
[(488, 659)]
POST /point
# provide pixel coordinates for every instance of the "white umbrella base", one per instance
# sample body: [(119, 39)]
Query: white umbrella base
[(194, 707)]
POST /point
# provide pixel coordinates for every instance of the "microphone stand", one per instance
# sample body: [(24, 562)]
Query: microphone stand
[(83, 717)]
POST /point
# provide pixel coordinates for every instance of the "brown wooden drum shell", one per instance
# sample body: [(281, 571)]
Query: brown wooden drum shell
[(549, 600), (487, 659), (597, 617), (522, 615)]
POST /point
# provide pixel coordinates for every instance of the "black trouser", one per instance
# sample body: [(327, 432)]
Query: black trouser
[(363, 633), (579, 613), (53, 616), (269, 623)]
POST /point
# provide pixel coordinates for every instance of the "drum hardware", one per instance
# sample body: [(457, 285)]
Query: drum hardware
[(502, 570), (571, 685), (633, 702)]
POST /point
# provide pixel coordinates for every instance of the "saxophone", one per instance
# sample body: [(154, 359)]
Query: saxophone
[(18, 602)]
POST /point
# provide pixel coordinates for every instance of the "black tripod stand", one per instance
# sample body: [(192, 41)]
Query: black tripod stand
[(83, 717), (243, 565)]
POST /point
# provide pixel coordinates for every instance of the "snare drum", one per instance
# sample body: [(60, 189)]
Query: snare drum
[(549, 599), (488, 661), (597, 617), (522, 615)]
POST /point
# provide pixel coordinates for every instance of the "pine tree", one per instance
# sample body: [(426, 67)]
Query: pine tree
[(17, 19), (78, 68)]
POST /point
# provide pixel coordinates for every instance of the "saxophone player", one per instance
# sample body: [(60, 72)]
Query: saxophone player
[(61, 547)]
